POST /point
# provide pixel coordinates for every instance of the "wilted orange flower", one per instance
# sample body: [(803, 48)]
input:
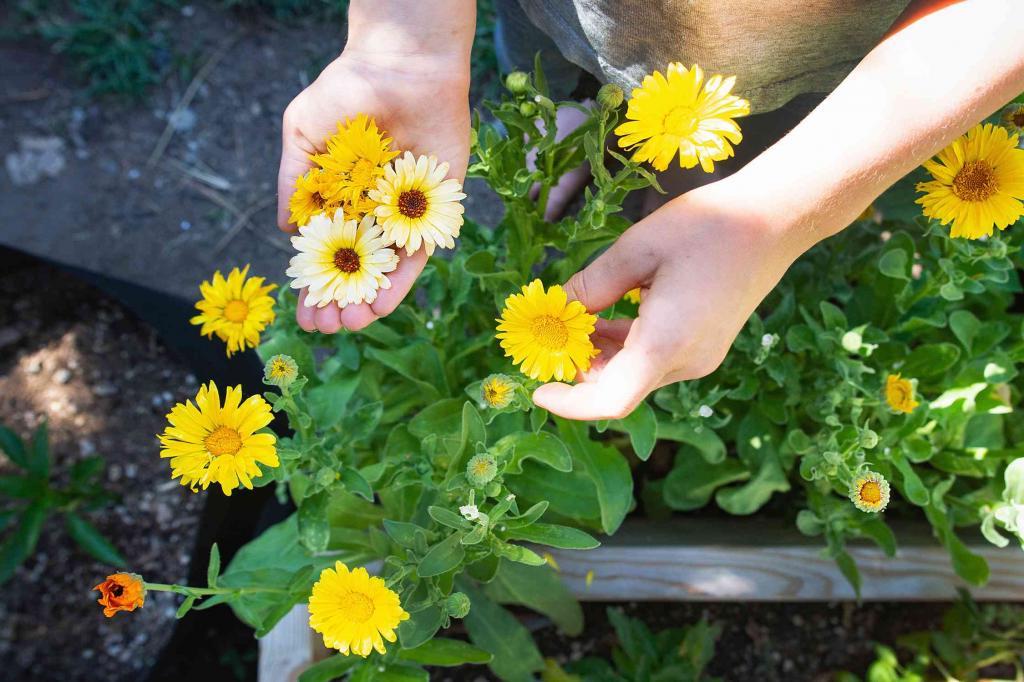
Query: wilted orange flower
[(121, 592)]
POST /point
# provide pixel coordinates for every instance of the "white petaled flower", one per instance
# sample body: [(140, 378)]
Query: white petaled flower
[(469, 512), (417, 205), (768, 340), (705, 411), (341, 260)]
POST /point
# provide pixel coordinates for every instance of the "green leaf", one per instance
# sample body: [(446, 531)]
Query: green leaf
[(85, 470), (314, 528), (355, 483), (542, 446), (708, 443), (403, 533), (538, 588), (13, 447), (445, 652), (965, 327), (693, 480), (608, 470), (185, 607), (329, 669), (418, 362), (401, 673), (848, 567), (553, 535), (420, 627), (21, 487), (895, 263), (495, 630), (518, 554), (930, 360), (92, 541), (912, 488), (443, 557), (642, 427), (442, 417), (39, 456), (213, 567), (327, 401), (19, 545), (879, 531)]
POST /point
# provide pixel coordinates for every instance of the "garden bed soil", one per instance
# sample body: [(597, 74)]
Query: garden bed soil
[(103, 382)]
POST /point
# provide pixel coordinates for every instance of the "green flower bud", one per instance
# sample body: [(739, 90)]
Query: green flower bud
[(280, 370), (852, 341), (544, 102), (326, 476), (528, 109), (868, 439), (481, 470), (610, 96), (492, 489), (517, 82), (457, 605)]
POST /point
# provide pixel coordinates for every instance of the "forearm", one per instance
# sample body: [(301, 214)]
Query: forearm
[(437, 31), (915, 92)]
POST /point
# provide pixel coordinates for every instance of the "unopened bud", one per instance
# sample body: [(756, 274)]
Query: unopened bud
[(610, 96), (517, 82), (457, 605)]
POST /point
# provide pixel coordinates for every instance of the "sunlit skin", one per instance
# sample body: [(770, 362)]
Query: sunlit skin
[(706, 259)]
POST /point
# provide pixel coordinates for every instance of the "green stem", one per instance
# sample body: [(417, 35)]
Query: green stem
[(207, 591)]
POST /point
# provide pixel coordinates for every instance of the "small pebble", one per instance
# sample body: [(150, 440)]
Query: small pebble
[(62, 375)]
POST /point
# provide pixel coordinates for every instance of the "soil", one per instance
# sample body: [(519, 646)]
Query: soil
[(103, 382)]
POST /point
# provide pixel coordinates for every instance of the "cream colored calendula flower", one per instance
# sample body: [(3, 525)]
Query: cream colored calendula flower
[(354, 611), (978, 183), (235, 309), (341, 260), (679, 113), (546, 333), (870, 492), (417, 205)]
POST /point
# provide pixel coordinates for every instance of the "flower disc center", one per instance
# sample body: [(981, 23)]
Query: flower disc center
[(346, 260), (412, 203), (550, 332), (236, 310), (681, 121), (871, 492), (976, 181), (1018, 118), (224, 440), (356, 607), (362, 172)]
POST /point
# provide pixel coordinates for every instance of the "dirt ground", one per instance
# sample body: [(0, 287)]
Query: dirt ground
[(103, 383)]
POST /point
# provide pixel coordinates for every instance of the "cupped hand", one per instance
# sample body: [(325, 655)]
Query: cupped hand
[(704, 261), (421, 102)]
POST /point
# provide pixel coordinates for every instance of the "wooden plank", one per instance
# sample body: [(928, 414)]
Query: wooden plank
[(287, 650), (763, 561)]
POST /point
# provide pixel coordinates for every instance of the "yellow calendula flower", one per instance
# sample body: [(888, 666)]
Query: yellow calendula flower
[(355, 159), (341, 260), (209, 442), (870, 492), (899, 393), (497, 391), (677, 112), (633, 296), (546, 333), (353, 611), (236, 309), (417, 205), (310, 198), (978, 183), (1013, 118)]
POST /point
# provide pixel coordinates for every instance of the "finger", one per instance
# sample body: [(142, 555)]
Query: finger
[(619, 387), (627, 264), (295, 152), (402, 280), (616, 330), (305, 316), (356, 317), (327, 318)]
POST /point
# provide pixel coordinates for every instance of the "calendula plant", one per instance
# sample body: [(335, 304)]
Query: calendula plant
[(882, 371), (30, 497)]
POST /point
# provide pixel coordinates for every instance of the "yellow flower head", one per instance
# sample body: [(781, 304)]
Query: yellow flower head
[(899, 393), (417, 205), (679, 112), (310, 197), (355, 159), (978, 183), (870, 492), (341, 260), (236, 309), (208, 442), (353, 611), (497, 391), (546, 333), (633, 296), (280, 370), (1013, 118)]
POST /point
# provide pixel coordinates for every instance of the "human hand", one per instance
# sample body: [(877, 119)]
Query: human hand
[(704, 262), (421, 101)]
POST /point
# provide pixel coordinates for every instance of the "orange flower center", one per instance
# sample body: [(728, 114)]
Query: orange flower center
[(116, 589), (346, 260), (976, 181), (236, 310), (224, 440), (318, 199), (681, 121), (550, 332), (412, 203), (871, 492), (356, 607)]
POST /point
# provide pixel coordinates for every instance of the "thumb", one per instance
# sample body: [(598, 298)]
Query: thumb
[(295, 152), (626, 265)]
